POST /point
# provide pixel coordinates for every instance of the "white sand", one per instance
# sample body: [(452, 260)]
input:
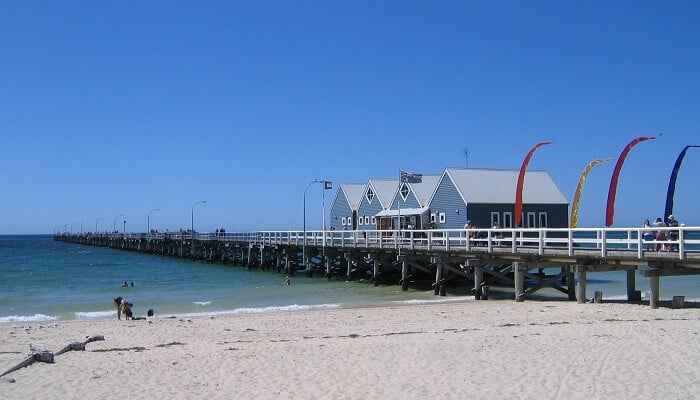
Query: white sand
[(487, 349)]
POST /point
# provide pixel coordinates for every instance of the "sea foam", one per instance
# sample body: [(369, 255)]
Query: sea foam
[(445, 300), (263, 310), (94, 314), (27, 318)]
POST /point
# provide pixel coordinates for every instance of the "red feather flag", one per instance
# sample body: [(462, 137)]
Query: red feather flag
[(610, 211), (521, 182)]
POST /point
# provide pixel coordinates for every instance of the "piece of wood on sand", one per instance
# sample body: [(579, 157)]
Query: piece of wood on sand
[(48, 356)]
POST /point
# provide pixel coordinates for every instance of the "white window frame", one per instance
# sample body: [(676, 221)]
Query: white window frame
[(507, 220), (442, 217), (495, 216), (401, 190), (432, 217), (374, 220), (342, 221), (360, 220), (531, 220), (366, 219), (369, 195), (543, 217)]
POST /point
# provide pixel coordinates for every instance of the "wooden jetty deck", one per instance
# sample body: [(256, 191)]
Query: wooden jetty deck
[(519, 257)]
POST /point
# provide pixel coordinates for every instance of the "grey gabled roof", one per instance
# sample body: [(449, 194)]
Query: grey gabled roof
[(424, 190), (497, 186), (353, 193), (384, 190)]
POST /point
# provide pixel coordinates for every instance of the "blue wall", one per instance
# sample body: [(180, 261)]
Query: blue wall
[(340, 209)]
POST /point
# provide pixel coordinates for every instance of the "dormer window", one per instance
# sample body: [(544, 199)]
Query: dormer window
[(405, 190), (369, 195)]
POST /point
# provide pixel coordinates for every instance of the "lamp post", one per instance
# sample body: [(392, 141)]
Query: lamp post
[(114, 223), (326, 185), (148, 220), (96, 221), (195, 205), (124, 228)]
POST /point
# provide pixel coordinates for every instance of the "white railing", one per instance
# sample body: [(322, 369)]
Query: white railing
[(564, 241)]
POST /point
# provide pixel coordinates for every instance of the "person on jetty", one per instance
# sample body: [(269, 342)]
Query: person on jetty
[(672, 235), (648, 234), (660, 235)]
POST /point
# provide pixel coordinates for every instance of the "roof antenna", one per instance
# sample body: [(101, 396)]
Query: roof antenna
[(466, 156)]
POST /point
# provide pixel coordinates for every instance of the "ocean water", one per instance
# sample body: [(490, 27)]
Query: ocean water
[(43, 280)]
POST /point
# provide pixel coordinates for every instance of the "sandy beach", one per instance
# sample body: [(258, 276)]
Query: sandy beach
[(488, 349)]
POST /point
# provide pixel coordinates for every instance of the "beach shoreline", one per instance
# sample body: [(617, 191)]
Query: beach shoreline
[(494, 349)]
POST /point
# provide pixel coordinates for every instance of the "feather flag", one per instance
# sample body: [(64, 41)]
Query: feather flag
[(521, 182), (668, 210), (610, 211), (579, 188)]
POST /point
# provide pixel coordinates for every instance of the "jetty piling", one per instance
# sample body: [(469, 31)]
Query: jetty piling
[(443, 256)]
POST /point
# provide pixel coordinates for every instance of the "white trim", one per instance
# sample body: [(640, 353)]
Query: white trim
[(495, 216), (367, 195), (531, 220), (408, 191), (507, 220)]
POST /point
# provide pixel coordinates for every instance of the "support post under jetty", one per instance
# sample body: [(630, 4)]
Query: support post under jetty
[(432, 259)]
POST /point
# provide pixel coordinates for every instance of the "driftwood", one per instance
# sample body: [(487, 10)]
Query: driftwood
[(48, 357), (41, 356), (79, 346)]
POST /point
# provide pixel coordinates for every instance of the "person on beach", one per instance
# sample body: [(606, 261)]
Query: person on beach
[(287, 281), (118, 303), (126, 310), (123, 307)]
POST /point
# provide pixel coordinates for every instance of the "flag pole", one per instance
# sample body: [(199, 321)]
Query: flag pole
[(399, 202)]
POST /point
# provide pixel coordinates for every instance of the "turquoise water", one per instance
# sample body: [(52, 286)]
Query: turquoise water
[(45, 280)]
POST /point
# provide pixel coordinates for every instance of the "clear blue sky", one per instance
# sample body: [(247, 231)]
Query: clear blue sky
[(120, 107)]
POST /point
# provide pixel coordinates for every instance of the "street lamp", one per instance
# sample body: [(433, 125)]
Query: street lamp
[(124, 228), (98, 220), (114, 223), (148, 220), (326, 185), (195, 205)]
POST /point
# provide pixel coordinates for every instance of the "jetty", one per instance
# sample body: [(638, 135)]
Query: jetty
[(522, 258)]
